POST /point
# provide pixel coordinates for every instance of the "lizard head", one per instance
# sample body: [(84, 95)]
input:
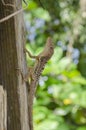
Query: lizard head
[(49, 47)]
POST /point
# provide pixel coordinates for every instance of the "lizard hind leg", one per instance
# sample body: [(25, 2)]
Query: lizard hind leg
[(30, 70), (24, 77)]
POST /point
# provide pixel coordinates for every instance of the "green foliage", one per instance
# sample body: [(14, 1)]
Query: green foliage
[(60, 102)]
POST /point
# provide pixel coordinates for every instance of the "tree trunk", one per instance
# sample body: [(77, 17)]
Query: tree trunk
[(12, 39)]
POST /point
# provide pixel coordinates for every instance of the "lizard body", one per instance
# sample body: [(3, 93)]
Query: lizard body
[(36, 71)]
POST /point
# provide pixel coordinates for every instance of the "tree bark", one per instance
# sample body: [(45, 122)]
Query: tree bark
[(12, 39)]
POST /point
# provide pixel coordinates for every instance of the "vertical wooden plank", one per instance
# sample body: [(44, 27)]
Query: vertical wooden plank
[(3, 109)]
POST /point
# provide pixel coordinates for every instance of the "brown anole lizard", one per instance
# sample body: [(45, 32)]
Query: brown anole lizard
[(36, 71)]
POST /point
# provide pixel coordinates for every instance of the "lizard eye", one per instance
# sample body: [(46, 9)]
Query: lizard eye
[(51, 47)]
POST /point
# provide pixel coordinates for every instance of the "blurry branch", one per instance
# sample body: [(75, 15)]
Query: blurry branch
[(41, 4), (83, 8), (52, 6), (80, 20), (70, 47), (75, 28), (11, 15)]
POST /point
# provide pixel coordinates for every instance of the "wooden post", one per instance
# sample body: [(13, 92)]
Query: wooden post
[(12, 40)]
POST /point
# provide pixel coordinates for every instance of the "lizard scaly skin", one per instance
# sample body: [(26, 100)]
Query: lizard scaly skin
[(41, 60)]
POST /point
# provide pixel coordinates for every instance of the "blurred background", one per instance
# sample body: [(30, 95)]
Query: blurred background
[(60, 102)]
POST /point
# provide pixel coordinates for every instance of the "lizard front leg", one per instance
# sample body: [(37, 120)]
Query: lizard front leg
[(30, 55)]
